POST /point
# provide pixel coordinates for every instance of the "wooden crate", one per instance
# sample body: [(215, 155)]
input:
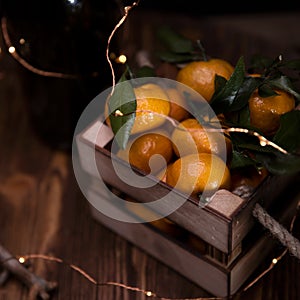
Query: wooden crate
[(218, 246)]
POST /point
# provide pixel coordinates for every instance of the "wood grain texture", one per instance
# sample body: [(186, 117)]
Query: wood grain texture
[(42, 210)]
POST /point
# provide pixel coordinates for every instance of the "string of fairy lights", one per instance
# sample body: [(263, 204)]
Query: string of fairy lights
[(121, 59), (24, 259)]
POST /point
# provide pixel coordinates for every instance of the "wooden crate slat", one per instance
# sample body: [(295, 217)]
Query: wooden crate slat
[(211, 277)]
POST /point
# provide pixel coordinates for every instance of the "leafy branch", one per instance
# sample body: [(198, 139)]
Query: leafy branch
[(230, 99)]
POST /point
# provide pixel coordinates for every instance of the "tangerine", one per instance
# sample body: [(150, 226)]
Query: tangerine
[(145, 152), (265, 112), (177, 105), (191, 137), (200, 75), (195, 173)]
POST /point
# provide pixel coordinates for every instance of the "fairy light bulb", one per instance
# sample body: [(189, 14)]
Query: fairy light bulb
[(148, 293), (11, 49), (121, 59), (21, 260)]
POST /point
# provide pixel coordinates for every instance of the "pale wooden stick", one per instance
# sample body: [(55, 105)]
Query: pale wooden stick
[(37, 285)]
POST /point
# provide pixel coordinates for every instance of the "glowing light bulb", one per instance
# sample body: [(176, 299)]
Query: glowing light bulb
[(148, 293), (21, 260), (11, 49), (263, 143), (121, 59)]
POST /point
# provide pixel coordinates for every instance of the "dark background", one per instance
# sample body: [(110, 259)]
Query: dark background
[(198, 8), (71, 37)]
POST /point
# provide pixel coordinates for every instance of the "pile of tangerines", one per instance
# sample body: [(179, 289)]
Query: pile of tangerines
[(196, 159)]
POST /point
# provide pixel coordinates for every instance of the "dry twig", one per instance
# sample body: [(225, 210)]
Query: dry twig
[(38, 287)]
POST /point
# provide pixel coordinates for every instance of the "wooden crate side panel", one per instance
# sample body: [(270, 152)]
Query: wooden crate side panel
[(249, 263), (206, 224), (266, 194), (210, 277), (211, 229)]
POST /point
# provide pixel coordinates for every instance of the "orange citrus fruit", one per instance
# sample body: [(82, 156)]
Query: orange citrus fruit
[(200, 75), (195, 173), (191, 137), (162, 174), (146, 152), (177, 105), (265, 112), (152, 104)]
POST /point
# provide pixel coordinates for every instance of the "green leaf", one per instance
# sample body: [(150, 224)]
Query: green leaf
[(293, 64), (280, 164), (265, 90), (123, 99), (288, 136), (274, 161), (240, 160), (174, 41), (241, 117), (220, 83), (223, 99), (249, 85), (284, 83)]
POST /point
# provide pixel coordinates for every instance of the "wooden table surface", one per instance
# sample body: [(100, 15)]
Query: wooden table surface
[(43, 211)]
